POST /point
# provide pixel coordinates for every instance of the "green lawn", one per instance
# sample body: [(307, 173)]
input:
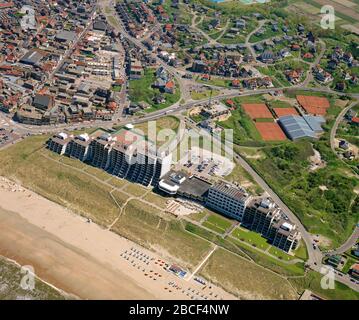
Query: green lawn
[(252, 238), (301, 252), (141, 91), (215, 82), (330, 213), (204, 94), (245, 279), (218, 223), (312, 281), (349, 264), (279, 104), (267, 261), (280, 254), (201, 232), (244, 129)]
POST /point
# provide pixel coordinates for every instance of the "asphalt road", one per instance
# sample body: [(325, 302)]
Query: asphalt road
[(339, 119), (349, 243)]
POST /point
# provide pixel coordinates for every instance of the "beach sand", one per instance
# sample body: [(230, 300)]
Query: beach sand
[(81, 258)]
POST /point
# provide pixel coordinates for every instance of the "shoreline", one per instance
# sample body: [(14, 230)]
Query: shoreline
[(60, 291), (77, 257)]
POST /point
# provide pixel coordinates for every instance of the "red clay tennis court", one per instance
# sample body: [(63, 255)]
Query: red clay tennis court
[(281, 112), (257, 110), (270, 131), (314, 105)]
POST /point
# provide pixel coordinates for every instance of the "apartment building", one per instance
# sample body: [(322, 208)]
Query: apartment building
[(228, 199), (138, 160), (78, 148), (265, 217), (260, 215), (58, 143), (100, 148), (136, 70), (125, 154), (286, 236)]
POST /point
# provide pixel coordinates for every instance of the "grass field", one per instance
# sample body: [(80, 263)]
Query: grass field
[(312, 282), (141, 91), (301, 252), (280, 254), (249, 249), (117, 182), (156, 200), (143, 225), (246, 279), (241, 176), (113, 20), (215, 82), (27, 163), (99, 173), (162, 124), (251, 238), (279, 104), (135, 190), (204, 94), (244, 129), (269, 262), (285, 168), (217, 223), (199, 216)]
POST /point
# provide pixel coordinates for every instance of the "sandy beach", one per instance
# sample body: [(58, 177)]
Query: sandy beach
[(83, 259)]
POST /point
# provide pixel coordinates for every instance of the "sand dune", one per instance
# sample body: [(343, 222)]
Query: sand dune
[(79, 257)]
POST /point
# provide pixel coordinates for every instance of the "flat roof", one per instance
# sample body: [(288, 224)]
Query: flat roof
[(66, 35), (230, 190), (32, 57), (193, 185), (296, 127)]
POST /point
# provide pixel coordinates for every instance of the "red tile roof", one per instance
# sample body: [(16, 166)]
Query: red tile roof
[(170, 84)]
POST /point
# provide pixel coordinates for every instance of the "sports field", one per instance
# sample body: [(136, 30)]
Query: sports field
[(314, 105), (257, 110), (270, 131), (281, 112)]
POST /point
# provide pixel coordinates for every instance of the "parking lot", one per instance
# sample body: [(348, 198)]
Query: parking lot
[(7, 137), (205, 164)]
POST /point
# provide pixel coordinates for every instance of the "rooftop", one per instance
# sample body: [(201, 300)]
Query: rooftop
[(230, 190), (297, 127), (66, 35)]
